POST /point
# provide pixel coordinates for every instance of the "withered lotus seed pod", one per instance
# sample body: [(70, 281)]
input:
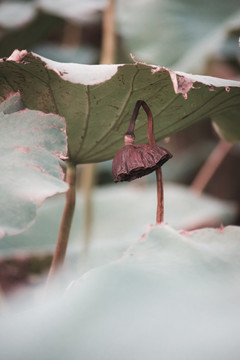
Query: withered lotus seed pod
[(134, 161)]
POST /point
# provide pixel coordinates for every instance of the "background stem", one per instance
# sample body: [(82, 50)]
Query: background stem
[(109, 36), (89, 170), (87, 180), (65, 227), (210, 166)]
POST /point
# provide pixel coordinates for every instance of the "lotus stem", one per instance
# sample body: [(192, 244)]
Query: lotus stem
[(131, 127), (151, 140), (160, 197)]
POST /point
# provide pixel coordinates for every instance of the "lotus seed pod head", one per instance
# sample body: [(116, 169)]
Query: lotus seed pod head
[(134, 161)]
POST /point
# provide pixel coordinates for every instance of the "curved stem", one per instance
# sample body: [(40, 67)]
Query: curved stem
[(150, 133), (131, 128), (151, 140), (65, 227)]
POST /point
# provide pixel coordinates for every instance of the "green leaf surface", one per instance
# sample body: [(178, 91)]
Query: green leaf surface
[(172, 295), (31, 144), (121, 213), (181, 34), (97, 100)]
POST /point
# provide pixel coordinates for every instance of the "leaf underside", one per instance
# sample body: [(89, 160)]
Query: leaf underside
[(97, 100)]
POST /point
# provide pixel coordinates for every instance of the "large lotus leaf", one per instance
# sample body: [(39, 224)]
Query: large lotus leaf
[(97, 100), (181, 34), (31, 144), (172, 296), (134, 205)]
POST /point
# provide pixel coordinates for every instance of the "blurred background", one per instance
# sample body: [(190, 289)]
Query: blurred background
[(185, 35)]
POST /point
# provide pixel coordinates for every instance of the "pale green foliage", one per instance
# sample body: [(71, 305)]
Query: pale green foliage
[(172, 295), (31, 143)]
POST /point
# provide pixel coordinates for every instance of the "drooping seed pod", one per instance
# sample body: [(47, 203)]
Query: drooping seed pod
[(134, 161)]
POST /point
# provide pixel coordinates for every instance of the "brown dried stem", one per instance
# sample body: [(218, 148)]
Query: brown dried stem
[(160, 197), (131, 128), (151, 140)]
